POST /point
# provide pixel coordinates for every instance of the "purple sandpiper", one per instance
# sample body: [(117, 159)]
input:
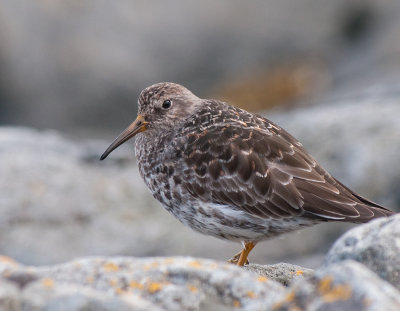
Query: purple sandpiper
[(232, 174)]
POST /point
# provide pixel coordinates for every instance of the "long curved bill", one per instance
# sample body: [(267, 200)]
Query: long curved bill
[(137, 126)]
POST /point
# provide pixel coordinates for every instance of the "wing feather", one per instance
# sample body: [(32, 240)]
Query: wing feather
[(263, 170)]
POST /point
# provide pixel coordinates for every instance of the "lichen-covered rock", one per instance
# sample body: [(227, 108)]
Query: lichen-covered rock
[(283, 273), (346, 286), (175, 283), (376, 245)]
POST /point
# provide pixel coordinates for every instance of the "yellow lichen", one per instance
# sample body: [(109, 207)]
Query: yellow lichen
[(169, 260), (288, 299), (109, 266), (332, 293), (134, 284), (146, 267), (251, 294), (90, 279), (47, 282), (153, 265), (262, 279), (339, 292), (154, 287), (195, 264), (192, 288), (236, 303), (299, 272), (325, 284), (113, 283)]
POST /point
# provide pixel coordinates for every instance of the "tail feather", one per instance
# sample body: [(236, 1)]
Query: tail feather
[(368, 210)]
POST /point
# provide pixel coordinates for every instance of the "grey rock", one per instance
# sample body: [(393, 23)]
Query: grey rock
[(43, 295), (283, 273), (376, 245), (346, 286), (186, 283), (125, 283)]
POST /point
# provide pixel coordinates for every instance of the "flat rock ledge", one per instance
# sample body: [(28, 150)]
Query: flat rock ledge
[(185, 283), (126, 283), (360, 273)]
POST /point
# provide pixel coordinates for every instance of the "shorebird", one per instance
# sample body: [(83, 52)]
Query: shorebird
[(232, 174)]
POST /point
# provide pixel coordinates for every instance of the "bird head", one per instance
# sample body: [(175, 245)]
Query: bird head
[(161, 107)]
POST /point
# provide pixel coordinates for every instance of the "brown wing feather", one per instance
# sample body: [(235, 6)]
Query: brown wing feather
[(261, 169)]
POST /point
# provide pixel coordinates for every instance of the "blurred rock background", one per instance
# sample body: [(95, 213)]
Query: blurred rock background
[(326, 70)]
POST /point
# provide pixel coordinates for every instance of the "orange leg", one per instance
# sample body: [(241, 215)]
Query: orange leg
[(234, 260), (248, 246)]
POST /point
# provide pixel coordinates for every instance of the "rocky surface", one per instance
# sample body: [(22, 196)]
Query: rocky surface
[(283, 273), (137, 284), (347, 286), (376, 245), (58, 203), (187, 283)]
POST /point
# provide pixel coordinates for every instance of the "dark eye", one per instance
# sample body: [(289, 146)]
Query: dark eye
[(166, 104)]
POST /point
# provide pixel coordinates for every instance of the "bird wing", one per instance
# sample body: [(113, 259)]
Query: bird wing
[(259, 168)]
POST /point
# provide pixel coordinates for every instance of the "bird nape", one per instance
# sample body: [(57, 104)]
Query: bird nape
[(231, 174)]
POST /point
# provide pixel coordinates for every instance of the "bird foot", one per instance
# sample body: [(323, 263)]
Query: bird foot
[(240, 259), (235, 259)]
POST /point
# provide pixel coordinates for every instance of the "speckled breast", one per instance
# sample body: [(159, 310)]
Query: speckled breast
[(160, 166)]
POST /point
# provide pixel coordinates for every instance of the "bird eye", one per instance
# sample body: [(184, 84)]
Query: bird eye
[(166, 104)]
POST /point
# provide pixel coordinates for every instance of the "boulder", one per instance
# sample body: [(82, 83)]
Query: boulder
[(283, 273), (187, 283), (346, 286), (376, 245), (123, 283)]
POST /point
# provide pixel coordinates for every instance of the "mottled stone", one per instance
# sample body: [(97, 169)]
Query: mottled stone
[(346, 286), (123, 283), (186, 283), (283, 273), (376, 245)]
